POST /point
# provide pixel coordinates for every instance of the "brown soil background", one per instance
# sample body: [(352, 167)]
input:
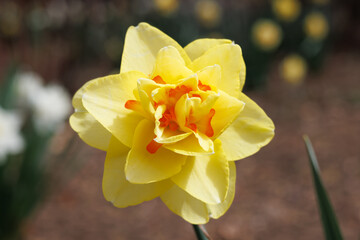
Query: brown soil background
[(274, 193)]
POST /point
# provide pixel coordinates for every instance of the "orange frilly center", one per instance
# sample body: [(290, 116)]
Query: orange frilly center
[(168, 120)]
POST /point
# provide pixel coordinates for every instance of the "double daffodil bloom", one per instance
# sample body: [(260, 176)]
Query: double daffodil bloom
[(173, 121)]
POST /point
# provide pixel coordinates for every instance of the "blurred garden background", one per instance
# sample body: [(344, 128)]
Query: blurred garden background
[(303, 69)]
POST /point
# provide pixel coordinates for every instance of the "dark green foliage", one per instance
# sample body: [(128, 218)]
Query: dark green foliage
[(328, 217)]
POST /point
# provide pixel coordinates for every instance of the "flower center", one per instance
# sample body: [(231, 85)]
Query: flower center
[(168, 124), (169, 120)]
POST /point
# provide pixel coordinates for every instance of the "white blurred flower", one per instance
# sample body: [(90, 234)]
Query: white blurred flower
[(51, 107), (11, 141), (29, 84)]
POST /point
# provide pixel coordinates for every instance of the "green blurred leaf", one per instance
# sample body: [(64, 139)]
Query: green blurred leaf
[(7, 89), (328, 217)]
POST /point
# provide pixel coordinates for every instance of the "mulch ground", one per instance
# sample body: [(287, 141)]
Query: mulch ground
[(275, 195)]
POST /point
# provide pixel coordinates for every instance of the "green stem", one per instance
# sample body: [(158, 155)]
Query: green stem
[(200, 233)]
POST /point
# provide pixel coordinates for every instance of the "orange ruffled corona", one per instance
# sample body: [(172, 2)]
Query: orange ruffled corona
[(172, 122)]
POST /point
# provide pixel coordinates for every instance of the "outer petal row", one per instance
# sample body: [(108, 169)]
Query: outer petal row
[(194, 210), (217, 210), (88, 128), (117, 189), (205, 177), (105, 98), (122, 193), (142, 43), (251, 130), (229, 58), (198, 47), (183, 204)]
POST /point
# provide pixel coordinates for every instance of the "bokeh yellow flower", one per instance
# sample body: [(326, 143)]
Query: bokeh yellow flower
[(166, 6), (286, 10), (266, 34), (173, 121), (208, 12), (316, 26), (293, 69)]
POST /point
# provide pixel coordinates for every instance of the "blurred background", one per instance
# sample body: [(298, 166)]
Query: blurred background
[(303, 69)]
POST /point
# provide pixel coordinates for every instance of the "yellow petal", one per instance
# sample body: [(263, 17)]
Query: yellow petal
[(210, 75), (205, 177), (198, 47), (203, 108), (90, 130), (169, 136), (251, 130), (205, 142), (147, 85), (145, 89), (147, 105), (170, 66), (189, 146), (182, 110), (227, 108), (117, 189), (144, 167), (159, 131), (229, 58), (142, 43), (242, 73), (105, 100), (217, 210), (77, 99), (183, 204)]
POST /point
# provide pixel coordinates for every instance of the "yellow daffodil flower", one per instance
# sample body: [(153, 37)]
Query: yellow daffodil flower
[(173, 121), (293, 69), (286, 10), (266, 34), (316, 26)]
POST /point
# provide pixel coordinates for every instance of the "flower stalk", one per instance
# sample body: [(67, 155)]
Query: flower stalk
[(201, 232)]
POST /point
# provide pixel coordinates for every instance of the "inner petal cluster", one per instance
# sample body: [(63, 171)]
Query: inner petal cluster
[(178, 110)]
